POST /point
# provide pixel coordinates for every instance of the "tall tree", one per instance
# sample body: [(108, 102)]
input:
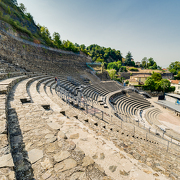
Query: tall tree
[(144, 62), (22, 7), (128, 59), (150, 62), (165, 84), (56, 39)]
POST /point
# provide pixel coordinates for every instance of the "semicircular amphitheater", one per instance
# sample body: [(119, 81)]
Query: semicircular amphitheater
[(78, 127)]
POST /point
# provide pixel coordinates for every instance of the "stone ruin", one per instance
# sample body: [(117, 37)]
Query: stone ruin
[(46, 133)]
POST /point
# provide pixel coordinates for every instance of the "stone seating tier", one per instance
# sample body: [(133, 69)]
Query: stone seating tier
[(31, 117)]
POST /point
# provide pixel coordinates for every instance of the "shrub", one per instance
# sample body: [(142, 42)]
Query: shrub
[(171, 89), (1, 13), (123, 69), (127, 82), (133, 69), (9, 10)]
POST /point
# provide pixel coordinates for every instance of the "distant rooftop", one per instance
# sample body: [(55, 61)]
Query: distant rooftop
[(175, 82)]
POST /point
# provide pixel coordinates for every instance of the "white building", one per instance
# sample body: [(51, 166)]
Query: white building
[(176, 84)]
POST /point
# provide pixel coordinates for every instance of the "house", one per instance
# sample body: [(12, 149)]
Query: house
[(133, 82), (141, 78), (176, 84)]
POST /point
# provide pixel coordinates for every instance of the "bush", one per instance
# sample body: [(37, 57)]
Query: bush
[(133, 69), (171, 89), (127, 82), (123, 69), (1, 13), (9, 10)]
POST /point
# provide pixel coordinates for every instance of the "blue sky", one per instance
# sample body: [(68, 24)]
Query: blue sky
[(146, 28)]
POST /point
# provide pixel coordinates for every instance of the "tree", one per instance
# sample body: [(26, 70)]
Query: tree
[(99, 60), (144, 62), (150, 62), (29, 16), (151, 83), (114, 65), (174, 67), (112, 73), (178, 75), (46, 35), (56, 39), (14, 2), (156, 76), (22, 7), (165, 84), (128, 59), (77, 45), (154, 65), (82, 47)]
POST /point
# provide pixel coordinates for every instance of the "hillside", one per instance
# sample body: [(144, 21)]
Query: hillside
[(22, 23)]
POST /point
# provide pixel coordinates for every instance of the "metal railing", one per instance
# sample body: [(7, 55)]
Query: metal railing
[(124, 122)]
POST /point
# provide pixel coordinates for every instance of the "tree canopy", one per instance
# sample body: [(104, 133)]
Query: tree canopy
[(174, 67), (102, 54), (129, 58), (156, 76)]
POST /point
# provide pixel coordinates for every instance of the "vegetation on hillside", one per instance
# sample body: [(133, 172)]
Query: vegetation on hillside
[(149, 63), (23, 22)]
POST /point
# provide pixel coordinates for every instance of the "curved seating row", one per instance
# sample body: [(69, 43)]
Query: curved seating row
[(129, 103)]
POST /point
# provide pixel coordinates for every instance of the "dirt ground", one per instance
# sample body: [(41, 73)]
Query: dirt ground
[(167, 117)]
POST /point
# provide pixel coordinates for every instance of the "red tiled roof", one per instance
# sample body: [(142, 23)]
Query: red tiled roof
[(175, 81)]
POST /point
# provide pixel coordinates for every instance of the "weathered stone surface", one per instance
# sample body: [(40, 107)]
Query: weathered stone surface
[(35, 155), (49, 136), (95, 156), (54, 125), (12, 175), (65, 165), (46, 175), (46, 164), (6, 161), (51, 140), (147, 171), (3, 129), (102, 156), (51, 147), (124, 173), (61, 135), (74, 136), (112, 168), (61, 156), (2, 177), (87, 161), (79, 176)]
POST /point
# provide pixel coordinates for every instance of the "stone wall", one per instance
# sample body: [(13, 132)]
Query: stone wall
[(37, 59)]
